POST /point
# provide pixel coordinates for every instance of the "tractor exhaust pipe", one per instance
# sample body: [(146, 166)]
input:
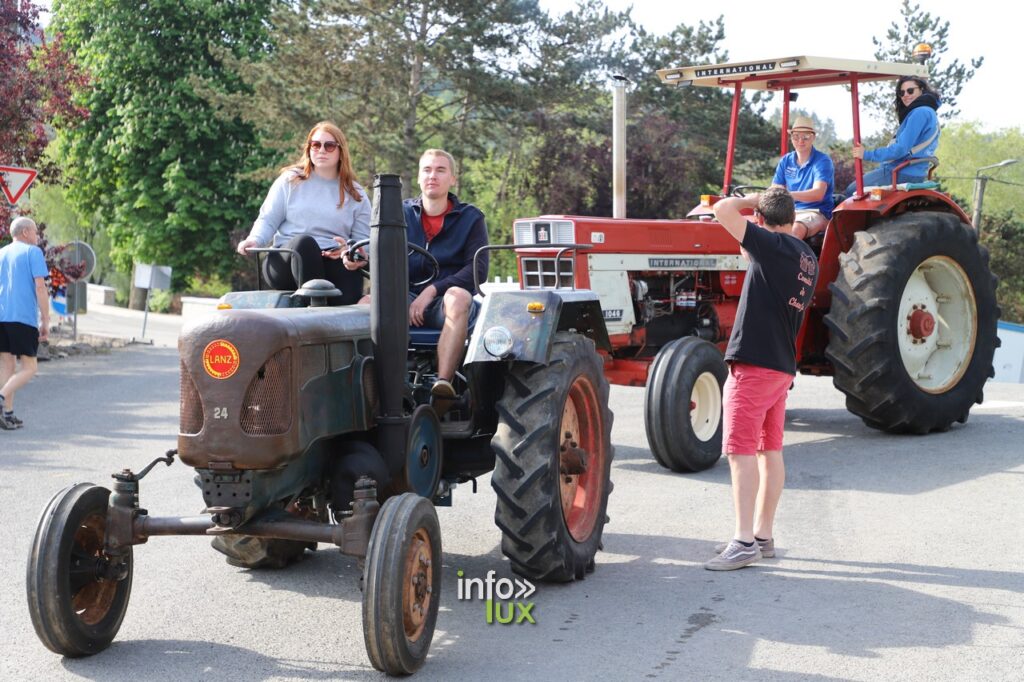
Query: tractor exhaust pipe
[(389, 314), (619, 84)]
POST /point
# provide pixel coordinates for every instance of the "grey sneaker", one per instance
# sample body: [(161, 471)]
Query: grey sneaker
[(7, 423), (11, 417), (767, 548), (735, 556)]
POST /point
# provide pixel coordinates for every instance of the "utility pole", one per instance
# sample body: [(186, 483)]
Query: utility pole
[(619, 84), (979, 190)]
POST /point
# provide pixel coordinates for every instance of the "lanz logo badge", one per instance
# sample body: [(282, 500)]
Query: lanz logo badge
[(220, 359)]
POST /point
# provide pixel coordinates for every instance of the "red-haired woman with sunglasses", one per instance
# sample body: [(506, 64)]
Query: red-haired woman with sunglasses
[(917, 136), (311, 202)]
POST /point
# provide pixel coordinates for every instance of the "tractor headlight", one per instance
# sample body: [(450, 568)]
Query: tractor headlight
[(498, 341)]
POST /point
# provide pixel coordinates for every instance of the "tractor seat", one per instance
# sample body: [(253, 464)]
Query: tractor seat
[(922, 184), (423, 337)]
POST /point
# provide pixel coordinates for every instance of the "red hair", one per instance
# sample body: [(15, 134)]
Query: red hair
[(303, 166)]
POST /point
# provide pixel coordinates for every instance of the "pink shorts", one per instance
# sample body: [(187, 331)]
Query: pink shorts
[(754, 409)]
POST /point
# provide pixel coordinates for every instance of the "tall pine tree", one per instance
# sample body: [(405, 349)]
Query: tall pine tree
[(948, 78)]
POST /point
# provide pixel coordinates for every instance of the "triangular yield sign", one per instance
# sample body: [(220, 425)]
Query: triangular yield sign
[(14, 181)]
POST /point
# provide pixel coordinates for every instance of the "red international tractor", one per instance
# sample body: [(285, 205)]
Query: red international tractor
[(903, 317)]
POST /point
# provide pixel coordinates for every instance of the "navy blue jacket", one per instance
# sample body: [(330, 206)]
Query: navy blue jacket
[(464, 231)]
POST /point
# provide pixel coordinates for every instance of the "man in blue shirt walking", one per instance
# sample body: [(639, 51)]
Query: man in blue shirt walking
[(23, 302), (809, 176)]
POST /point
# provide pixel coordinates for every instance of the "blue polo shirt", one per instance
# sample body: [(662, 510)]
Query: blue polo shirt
[(20, 264), (797, 178)]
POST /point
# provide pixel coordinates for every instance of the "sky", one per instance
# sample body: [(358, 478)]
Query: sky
[(762, 30)]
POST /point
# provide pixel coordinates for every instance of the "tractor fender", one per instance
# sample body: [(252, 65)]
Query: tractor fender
[(854, 215), (532, 318)]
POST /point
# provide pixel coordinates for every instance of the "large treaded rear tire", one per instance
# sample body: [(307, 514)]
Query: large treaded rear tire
[(552, 522), (913, 323)]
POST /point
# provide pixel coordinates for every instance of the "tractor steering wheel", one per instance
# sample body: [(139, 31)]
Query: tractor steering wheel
[(741, 190), (355, 256)]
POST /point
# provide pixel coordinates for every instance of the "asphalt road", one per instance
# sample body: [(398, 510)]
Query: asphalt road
[(899, 557)]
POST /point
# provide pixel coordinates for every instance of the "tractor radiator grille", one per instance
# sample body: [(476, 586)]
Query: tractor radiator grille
[(312, 363), (538, 232), (191, 407), (539, 273), (267, 408)]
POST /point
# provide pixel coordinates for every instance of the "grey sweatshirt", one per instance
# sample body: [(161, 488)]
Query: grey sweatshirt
[(310, 207)]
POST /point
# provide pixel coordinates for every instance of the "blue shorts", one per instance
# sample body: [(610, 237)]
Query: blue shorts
[(433, 316), (19, 339)]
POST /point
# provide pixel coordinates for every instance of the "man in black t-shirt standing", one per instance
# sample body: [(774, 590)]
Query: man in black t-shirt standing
[(761, 354)]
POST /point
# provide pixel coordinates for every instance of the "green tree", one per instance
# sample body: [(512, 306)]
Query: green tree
[(165, 173), (676, 136), (476, 77), (966, 147), (36, 82), (1003, 234), (396, 75), (948, 79)]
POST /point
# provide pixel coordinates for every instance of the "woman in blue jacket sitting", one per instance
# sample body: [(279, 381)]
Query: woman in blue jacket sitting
[(917, 136)]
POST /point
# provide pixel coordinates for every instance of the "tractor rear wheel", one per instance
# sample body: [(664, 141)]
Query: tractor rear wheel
[(554, 454), (683, 405), (913, 323)]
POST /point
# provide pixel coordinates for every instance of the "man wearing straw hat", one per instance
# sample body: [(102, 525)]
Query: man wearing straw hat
[(809, 176)]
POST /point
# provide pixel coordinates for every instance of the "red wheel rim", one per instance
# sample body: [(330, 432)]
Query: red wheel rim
[(418, 585), (583, 424), (91, 596)]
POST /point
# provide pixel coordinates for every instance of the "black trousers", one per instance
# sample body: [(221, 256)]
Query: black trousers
[(284, 271)]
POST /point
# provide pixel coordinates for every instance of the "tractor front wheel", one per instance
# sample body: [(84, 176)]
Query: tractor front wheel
[(77, 594), (913, 323), (402, 584), (683, 405), (554, 454)]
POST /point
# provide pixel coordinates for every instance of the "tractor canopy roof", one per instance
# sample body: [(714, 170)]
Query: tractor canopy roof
[(788, 73), (785, 75)]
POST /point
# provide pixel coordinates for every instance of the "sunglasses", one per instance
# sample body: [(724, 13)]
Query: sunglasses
[(802, 136), (908, 91), (328, 146)]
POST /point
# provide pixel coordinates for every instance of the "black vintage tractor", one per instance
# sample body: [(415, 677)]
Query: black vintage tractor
[(310, 423)]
